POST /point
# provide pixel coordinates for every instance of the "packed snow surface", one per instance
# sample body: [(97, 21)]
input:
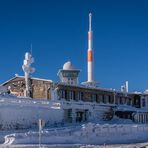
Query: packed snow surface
[(90, 133)]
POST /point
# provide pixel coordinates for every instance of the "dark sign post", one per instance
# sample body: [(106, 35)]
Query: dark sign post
[(41, 125)]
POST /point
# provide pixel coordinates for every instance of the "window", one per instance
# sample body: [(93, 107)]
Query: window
[(93, 98), (79, 95), (82, 95), (74, 95), (70, 95), (143, 102), (97, 98), (109, 99), (66, 94), (106, 99), (101, 98), (129, 101), (121, 100)]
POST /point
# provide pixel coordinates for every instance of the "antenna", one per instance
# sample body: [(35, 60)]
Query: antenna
[(90, 18), (90, 59), (31, 48), (28, 70)]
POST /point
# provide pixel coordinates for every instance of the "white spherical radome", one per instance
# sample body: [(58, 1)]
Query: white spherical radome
[(68, 66)]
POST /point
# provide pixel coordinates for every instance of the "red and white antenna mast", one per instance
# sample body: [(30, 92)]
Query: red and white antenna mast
[(90, 58), (90, 52)]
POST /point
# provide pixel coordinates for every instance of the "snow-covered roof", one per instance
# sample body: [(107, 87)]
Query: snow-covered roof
[(41, 79), (87, 87), (22, 77)]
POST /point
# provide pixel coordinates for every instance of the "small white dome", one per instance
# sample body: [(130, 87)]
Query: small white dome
[(68, 66)]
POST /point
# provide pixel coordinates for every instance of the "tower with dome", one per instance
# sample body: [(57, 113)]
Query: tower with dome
[(69, 74)]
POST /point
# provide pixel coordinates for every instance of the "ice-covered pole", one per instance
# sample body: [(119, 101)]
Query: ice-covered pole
[(90, 51), (27, 71)]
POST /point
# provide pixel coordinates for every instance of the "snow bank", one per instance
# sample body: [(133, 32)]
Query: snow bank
[(17, 113), (86, 134)]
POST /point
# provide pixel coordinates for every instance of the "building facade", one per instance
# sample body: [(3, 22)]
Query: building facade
[(40, 88)]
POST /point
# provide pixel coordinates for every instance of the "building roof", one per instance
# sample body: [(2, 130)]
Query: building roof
[(22, 77)]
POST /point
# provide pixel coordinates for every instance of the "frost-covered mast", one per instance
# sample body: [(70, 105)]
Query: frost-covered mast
[(28, 70)]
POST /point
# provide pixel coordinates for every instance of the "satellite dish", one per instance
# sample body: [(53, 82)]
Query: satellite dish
[(25, 62), (32, 70), (27, 56)]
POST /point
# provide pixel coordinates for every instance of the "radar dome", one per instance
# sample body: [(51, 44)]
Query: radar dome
[(68, 66)]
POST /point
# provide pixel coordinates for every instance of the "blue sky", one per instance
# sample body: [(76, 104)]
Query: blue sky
[(58, 29)]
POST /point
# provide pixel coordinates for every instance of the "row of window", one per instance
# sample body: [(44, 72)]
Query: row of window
[(99, 98)]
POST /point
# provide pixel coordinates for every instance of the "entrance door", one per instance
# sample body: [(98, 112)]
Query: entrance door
[(79, 116)]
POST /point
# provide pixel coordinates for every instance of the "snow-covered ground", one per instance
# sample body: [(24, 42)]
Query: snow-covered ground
[(81, 136), (137, 145), (89, 135)]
